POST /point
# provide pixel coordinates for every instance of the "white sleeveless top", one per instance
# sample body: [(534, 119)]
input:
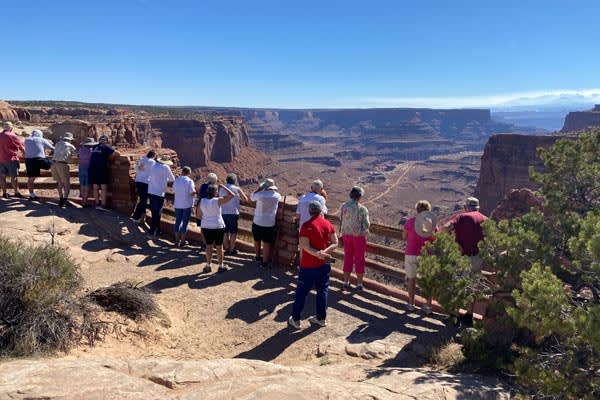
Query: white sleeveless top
[(211, 214), (233, 205)]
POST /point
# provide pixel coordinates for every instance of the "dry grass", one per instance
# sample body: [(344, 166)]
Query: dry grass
[(447, 356), (128, 299)]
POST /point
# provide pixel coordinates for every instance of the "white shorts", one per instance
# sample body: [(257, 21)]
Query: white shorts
[(410, 266)]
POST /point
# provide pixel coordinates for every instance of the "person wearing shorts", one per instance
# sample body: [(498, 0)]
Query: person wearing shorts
[(213, 226), (60, 168), (418, 230), (264, 221), (98, 170), (231, 213), (354, 228), (10, 145), (35, 158)]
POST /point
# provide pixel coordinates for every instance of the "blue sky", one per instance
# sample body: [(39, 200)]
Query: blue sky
[(298, 54)]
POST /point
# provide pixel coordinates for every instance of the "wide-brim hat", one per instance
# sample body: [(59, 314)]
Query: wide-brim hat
[(425, 223), (269, 184), (89, 142), (7, 125), (165, 160), (68, 136)]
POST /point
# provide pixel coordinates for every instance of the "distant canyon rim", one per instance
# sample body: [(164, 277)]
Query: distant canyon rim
[(399, 155)]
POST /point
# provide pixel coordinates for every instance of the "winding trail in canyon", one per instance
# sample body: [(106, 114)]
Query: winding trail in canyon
[(408, 167)]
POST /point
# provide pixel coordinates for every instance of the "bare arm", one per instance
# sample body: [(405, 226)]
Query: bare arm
[(243, 196), (305, 246), (228, 196), (114, 155)]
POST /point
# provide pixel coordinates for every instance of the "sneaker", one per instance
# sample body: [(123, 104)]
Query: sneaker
[(410, 307), (5, 196), (346, 285), (32, 197), (207, 269), (293, 323), (227, 253), (222, 268), (426, 309), (233, 252), (19, 195), (316, 321), (360, 288), (62, 203)]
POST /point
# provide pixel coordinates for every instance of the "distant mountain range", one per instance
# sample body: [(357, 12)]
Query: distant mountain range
[(551, 102)]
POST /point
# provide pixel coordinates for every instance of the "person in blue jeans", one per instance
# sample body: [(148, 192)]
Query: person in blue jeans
[(317, 241), (184, 190)]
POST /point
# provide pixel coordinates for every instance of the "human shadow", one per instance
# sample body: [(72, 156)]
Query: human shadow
[(273, 346)]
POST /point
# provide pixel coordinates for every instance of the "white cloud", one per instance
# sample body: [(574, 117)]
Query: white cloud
[(541, 97)]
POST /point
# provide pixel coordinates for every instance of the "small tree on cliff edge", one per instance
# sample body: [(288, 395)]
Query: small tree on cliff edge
[(546, 327)]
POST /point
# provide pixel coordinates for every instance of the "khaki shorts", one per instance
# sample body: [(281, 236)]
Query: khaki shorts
[(410, 266), (60, 172)]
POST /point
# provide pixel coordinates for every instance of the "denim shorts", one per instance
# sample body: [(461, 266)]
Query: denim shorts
[(84, 179)]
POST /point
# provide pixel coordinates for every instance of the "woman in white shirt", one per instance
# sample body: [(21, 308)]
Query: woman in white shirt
[(213, 226), (184, 191)]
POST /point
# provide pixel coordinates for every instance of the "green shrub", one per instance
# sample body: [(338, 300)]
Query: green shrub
[(38, 286)]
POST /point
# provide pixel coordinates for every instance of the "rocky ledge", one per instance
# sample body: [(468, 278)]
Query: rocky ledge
[(224, 379)]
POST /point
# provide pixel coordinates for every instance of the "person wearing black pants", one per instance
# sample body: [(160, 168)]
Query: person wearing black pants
[(142, 177)]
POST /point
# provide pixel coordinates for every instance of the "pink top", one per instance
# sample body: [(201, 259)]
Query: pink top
[(414, 242)]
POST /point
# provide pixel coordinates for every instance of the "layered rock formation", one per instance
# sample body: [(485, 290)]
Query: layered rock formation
[(198, 142), (582, 120), (125, 132), (505, 165), (7, 112)]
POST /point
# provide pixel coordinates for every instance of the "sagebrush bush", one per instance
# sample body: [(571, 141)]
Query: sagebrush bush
[(38, 286), (127, 299)]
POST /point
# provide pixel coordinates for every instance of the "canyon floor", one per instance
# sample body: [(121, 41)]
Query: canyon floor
[(225, 335)]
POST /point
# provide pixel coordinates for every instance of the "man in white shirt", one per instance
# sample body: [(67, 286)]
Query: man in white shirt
[(265, 215), (142, 177), (184, 191), (302, 214), (160, 176)]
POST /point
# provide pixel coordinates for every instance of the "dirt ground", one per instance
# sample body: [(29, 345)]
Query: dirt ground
[(238, 314)]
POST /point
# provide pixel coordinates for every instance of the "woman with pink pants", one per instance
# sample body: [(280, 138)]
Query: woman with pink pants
[(354, 228)]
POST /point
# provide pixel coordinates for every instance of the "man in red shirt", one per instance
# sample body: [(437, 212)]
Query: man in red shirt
[(317, 241), (10, 145), (468, 232)]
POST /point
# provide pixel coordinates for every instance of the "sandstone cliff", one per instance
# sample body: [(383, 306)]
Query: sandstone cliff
[(198, 142), (7, 112), (582, 120), (505, 165), (125, 132)]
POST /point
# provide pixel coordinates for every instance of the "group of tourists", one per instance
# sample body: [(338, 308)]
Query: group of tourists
[(217, 207), (93, 158)]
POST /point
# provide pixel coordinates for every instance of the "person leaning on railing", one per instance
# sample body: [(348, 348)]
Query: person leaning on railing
[(354, 228), (418, 230), (35, 158), (98, 171), (60, 168), (142, 177), (231, 213), (10, 145)]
